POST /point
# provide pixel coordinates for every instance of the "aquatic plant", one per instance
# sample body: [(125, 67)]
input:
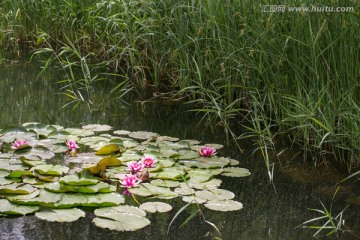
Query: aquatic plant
[(40, 180), (19, 144), (130, 181), (285, 78), (135, 167), (148, 161), (207, 151), (332, 223), (72, 144)]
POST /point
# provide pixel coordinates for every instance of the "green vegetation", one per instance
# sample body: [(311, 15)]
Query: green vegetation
[(286, 73), (48, 173)]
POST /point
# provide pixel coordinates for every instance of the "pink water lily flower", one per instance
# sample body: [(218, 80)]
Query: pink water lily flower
[(19, 143), (71, 144), (130, 181), (207, 151), (135, 167), (148, 161)]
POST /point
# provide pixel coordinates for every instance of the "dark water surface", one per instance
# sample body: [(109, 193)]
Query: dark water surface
[(270, 212)]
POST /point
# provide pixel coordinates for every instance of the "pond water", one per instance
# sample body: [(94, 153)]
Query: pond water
[(270, 211)]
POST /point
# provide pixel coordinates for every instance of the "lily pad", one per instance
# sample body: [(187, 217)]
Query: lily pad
[(165, 183), (108, 149), (110, 212), (19, 174), (45, 198), (90, 200), (194, 199), (52, 170), (101, 187), (156, 207), (16, 188), (124, 222), (75, 180), (235, 172), (121, 132), (42, 130), (7, 207), (215, 194), (209, 185), (206, 162), (60, 215), (142, 135), (97, 127), (228, 205), (199, 176), (103, 163), (79, 132), (169, 173)]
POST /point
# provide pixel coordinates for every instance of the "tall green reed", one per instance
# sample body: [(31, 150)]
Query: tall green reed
[(285, 73)]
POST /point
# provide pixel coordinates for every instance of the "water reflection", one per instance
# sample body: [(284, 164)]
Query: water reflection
[(266, 215)]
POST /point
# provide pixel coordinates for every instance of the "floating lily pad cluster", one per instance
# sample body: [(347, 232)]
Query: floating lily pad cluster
[(38, 175)]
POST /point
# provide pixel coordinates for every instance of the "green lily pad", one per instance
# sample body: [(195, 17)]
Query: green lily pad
[(100, 187), (15, 133), (153, 207), (27, 196), (143, 135), (235, 172), (16, 188), (79, 132), (36, 153), (121, 132), (108, 149), (19, 174), (103, 163), (31, 163), (110, 212), (85, 158), (97, 127), (184, 190), (130, 143), (188, 154), (165, 183), (60, 215), (228, 205), (90, 200), (209, 185), (168, 153), (45, 198), (42, 130), (169, 173), (198, 176), (7, 207), (206, 162), (124, 222), (5, 181), (7, 165), (234, 162), (75, 180), (215, 194), (194, 199), (52, 170)]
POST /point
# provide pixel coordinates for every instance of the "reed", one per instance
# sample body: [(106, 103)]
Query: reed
[(287, 73)]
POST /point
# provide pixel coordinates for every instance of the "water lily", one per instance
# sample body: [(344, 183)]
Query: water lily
[(19, 144), (148, 161), (71, 144), (207, 151), (135, 167), (130, 181)]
